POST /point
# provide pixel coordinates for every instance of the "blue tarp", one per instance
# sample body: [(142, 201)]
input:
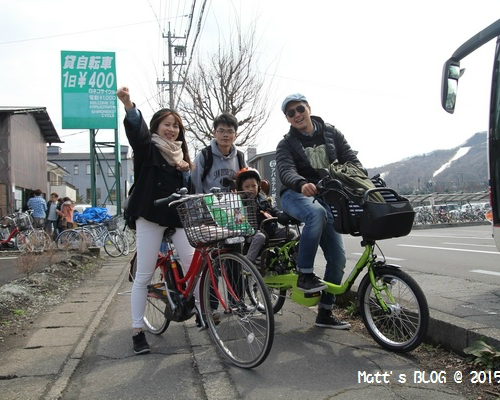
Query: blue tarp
[(91, 214)]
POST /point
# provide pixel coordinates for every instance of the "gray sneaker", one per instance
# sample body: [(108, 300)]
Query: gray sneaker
[(326, 319)]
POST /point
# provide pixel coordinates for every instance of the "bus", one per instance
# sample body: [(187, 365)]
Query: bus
[(449, 85)]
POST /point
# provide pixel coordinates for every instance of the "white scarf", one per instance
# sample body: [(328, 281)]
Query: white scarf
[(170, 150)]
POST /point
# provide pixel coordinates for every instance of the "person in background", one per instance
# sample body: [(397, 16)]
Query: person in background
[(39, 207), (311, 145), (60, 202), (66, 214), (52, 217), (161, 158)]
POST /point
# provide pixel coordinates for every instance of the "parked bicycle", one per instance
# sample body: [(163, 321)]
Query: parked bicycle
[(17, 232), (392, 305), (242, 326), (88, 235)]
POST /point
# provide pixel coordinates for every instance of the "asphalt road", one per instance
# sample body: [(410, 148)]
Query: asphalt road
[(465, 252)]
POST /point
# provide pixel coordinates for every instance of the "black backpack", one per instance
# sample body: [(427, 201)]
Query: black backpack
[(209, 160)]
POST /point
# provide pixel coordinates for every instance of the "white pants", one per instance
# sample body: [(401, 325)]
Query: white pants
[(149, 236)]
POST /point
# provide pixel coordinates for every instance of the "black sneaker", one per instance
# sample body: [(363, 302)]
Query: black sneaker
[(326, 319), (310, 283), (141, 345)]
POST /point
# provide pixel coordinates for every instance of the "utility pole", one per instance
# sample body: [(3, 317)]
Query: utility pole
[(179, 52)]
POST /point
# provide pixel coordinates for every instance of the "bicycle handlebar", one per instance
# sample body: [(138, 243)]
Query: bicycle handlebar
[(172, 198), (167, 200)]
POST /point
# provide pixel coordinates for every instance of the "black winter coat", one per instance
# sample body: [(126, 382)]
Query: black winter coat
[(294, 168), (154, 179), (263, 204)]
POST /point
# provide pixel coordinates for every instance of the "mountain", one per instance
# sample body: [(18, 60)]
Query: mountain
[(462, 169)]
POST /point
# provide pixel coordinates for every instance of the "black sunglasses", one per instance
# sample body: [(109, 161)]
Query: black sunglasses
[(299, 109)]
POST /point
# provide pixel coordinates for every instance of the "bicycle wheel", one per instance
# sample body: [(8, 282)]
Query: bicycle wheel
[(69, 240), (39, 239), (22, 242), (277, 297), (130, 235), (154, 315), (242, 328), (87, 239), (114, 244), (403, 327), (126, 246)]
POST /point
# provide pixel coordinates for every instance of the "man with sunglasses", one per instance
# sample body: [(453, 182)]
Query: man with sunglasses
[(311, 145)]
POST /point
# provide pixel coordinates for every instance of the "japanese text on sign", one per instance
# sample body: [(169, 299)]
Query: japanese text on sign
[(88, 90)]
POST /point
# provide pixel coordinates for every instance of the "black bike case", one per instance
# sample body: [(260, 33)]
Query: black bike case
[(358, 215)]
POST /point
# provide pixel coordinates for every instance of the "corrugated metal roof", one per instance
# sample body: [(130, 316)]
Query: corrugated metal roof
[(42, 119)]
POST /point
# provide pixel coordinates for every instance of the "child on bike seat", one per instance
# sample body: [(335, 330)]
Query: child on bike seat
[(248, 180)]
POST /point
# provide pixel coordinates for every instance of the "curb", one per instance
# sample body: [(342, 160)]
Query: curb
[(72, 362), (450, 225), (445, 330)]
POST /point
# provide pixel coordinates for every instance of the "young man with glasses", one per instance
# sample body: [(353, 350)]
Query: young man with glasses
[(217, 165), (310, 145)]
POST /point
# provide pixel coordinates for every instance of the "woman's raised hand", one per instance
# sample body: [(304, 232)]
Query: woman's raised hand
[(123, 95)]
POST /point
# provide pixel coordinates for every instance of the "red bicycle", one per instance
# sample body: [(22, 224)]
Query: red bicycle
[(15, 231), (234, 303)]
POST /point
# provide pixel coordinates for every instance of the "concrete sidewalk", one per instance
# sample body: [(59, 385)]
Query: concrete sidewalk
[(39, 364)]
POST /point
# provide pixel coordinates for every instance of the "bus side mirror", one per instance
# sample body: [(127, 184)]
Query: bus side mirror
[(451, 74)]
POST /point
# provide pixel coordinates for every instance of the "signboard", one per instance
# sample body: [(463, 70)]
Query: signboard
[(88, 81)]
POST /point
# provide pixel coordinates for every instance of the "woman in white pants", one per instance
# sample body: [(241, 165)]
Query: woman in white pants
[(161, 161)]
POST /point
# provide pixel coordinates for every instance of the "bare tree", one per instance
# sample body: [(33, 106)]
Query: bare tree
[(230, 82)]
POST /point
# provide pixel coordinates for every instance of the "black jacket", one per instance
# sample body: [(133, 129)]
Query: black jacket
[(294, 168), (264, 205), (154, 179)]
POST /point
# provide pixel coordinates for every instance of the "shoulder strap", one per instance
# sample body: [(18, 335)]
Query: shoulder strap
[(209, 160), (241, 158)]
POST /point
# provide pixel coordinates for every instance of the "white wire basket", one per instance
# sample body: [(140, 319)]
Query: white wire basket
[(111, 224), (213, 218), (22, 221)]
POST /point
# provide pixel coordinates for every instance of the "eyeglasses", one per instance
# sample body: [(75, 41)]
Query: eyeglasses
[(291, 112), (228, 131)]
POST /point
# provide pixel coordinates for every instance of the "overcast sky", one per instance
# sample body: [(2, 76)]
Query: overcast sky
[(371, 68)]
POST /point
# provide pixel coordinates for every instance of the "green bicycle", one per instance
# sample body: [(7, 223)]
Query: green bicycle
[(392, 305)]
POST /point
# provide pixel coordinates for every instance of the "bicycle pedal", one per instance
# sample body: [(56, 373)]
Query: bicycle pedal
[(156, 285), (158, 289), (312, 295)]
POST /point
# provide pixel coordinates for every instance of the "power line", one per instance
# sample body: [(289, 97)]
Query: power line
[(77, 33), (198, 31)]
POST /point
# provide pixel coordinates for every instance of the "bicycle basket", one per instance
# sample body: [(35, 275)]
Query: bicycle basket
[(386, 220), (111, 224), (215, 217), (22, 221), (370, 219)]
